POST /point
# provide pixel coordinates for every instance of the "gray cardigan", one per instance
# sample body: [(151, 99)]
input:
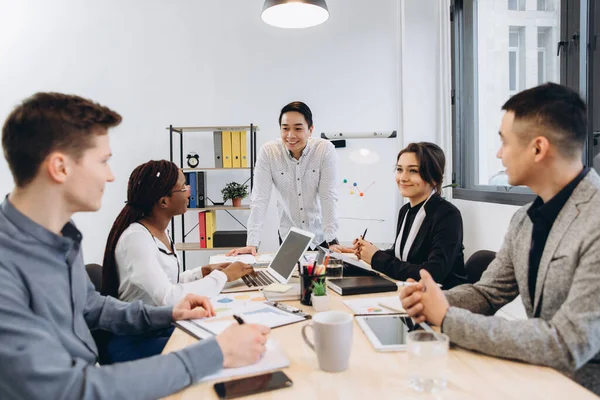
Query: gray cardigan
[(48, 306), (566, 335)]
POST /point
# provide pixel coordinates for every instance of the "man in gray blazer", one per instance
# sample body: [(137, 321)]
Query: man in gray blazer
[(550, 255)]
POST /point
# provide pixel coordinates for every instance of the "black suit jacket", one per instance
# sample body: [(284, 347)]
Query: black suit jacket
[(437, 247)]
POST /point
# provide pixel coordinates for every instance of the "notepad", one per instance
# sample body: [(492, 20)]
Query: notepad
[(277, 288), (273, 359)]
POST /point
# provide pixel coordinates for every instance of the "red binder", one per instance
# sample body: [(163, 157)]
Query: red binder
[(202, 229)]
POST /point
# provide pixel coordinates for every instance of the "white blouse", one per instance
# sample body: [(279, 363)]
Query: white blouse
[(149, 272)]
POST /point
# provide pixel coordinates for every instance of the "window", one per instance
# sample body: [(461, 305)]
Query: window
[(544, 5), (516, 62), (516, 5), (496, 55), (544, 63)]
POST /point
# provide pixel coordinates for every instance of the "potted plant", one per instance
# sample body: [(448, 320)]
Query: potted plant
[(236, 192), (319, 296)]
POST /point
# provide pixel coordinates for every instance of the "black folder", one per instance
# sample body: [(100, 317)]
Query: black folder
[(201, 190), (361, 285)]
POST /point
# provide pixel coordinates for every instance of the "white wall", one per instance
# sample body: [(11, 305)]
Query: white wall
[(194, 62), (485, 224)]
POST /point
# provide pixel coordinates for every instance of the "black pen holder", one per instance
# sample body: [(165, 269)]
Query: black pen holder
[(307, 283)]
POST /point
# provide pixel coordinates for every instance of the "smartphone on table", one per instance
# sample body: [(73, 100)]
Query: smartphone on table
[(252, 385)]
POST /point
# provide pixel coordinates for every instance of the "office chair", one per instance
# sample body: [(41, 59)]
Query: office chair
[(100, 336), (477, 264), (95, 273)]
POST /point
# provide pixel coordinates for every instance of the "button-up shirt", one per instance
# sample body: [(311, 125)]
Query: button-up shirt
[(306, 190), (542, 216), (48, 306)]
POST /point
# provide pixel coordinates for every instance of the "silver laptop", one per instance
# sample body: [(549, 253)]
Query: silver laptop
[(281, 268)]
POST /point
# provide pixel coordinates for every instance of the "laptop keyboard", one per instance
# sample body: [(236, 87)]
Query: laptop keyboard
[(261, 279)]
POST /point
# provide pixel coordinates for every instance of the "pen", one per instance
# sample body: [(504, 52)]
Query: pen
[(365, 233), (238, 319), (404, 284)]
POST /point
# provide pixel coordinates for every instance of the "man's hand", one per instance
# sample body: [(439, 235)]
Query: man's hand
[(425, 301), (242, 344), (338, 248), (238, 269), (207, 269), (242, 250), (364, 250), (193, 307)]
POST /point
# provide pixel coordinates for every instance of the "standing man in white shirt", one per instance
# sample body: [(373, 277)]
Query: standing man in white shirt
[(303, 171)]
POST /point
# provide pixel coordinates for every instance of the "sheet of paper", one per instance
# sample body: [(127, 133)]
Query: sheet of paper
[(375, 306), (393, 303), (265, 258), (245, 258), (273, 359), (277, 287)]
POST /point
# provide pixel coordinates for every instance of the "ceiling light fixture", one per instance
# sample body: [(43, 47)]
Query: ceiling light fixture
[(294, 13)]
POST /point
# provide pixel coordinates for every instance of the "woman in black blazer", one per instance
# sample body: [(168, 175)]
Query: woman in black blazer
[(429, 233)]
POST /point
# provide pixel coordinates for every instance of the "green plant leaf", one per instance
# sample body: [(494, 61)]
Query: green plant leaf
[(234, 190)]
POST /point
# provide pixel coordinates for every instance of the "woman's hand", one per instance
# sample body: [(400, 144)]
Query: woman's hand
[(364, 250), (338, 248), (238, 269), (207, 269)]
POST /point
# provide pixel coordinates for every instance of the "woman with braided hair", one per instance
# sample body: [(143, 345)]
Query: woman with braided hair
[(140, 262)]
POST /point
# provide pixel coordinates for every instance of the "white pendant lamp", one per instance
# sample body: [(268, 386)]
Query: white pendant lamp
[(295, 13)]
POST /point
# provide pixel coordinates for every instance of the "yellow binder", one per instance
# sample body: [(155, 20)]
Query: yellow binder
[(236, 159), (211, 227), (226, 142), (244, 149)]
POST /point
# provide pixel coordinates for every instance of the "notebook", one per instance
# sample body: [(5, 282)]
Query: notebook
[(362, 285), (273, 359)]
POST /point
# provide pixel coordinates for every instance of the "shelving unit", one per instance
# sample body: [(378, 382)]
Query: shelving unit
[(181, 131)]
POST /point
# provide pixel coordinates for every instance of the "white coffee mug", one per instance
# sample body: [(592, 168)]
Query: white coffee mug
[(332, 331)]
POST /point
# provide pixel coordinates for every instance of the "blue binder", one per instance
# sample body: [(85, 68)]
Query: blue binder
[(193, 176)]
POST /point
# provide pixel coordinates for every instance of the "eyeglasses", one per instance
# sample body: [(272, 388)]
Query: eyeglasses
[(185, 189)]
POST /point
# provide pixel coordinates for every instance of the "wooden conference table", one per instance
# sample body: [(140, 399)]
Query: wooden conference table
[(375, 375)]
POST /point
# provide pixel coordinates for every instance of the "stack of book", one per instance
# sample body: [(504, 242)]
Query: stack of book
[(231, 149)]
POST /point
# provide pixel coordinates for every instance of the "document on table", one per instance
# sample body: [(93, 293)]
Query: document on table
[(245, 258), (250, 307), (264, 259), (376, 306)]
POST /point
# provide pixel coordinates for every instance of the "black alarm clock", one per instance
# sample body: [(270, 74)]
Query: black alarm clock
[(193, 160)]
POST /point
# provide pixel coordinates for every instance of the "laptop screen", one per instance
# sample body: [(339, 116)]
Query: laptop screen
[(289, 253)]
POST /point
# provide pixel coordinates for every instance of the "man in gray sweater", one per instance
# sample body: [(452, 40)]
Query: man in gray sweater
[(550, 255), (57, 148)]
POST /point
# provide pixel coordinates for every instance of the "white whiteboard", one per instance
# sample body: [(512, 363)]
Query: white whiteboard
[(370, 164)]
